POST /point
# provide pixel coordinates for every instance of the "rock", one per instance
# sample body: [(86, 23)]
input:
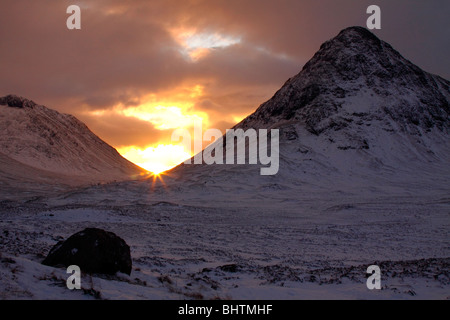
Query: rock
[(94, 251), (12, 101), (229, 268), (16, 102)]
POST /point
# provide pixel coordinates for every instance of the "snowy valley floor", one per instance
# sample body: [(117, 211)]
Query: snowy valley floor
[(192, 252)]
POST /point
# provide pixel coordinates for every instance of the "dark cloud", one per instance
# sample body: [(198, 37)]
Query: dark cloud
[(121, 131), (125, 51)]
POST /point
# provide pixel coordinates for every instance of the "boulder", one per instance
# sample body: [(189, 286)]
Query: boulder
[(94, 251), (14, 101)]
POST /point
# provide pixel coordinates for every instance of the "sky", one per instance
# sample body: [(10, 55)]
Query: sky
[(139, 69)]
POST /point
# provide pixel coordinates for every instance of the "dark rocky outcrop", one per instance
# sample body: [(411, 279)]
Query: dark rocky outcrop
[(16, 102)]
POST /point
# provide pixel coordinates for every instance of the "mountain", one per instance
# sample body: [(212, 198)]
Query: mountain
[(358, 118), (354, 79), (42, 147), (363, 180), (358, 121)]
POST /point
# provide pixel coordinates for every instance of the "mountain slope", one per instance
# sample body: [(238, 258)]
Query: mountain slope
[(20, 181), (357, 77), (363, 180), (358, 122), (358, 118), (56, 144)]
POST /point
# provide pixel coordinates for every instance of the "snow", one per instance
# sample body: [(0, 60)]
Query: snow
[(363, 180), (179, 252), (54, 143)]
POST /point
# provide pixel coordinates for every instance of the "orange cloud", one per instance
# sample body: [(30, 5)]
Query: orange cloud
[(197, 45), (165, 111)]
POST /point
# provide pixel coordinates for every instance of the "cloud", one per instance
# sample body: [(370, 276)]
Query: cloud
[(239, 53), (121, 131)]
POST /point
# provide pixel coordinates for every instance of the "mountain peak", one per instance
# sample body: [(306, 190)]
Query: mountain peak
[(356, 75), (360, 48), (357, 32), (356, 38), (34, 137)]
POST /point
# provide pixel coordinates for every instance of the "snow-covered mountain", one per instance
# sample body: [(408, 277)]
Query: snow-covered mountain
[(354, 80), (358, 93), (363, 179), (44, 147), (358, 116)]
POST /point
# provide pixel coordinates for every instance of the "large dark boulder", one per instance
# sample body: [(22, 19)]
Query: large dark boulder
[(94, 251)]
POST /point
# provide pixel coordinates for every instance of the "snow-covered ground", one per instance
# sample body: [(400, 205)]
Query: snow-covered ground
[(363, 180), (319, 251)]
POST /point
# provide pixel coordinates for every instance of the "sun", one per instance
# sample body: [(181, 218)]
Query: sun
[(157, 168), (156, 159)]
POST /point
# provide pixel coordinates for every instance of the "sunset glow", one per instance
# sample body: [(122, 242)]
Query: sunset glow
[(165, 111), (163, 117), (229, 150), (156, 159), (168, 110), (197, 45)]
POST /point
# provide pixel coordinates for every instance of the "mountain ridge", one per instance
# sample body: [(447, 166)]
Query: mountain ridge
[(57, 143), (357, 118), (334, 73)]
